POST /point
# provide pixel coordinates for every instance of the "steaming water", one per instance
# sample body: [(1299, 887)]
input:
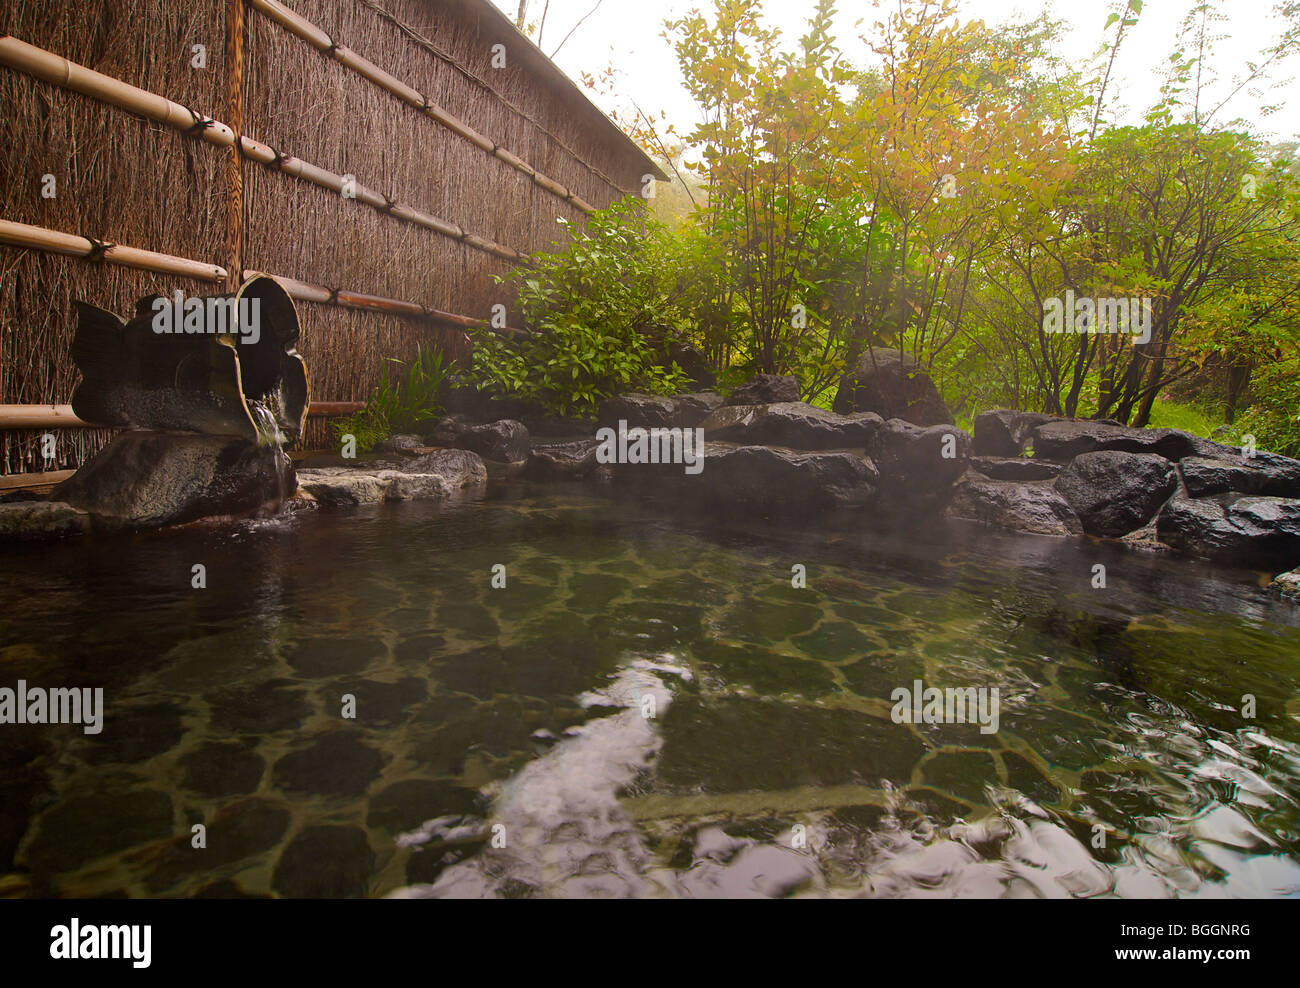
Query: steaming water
[(500, 744)]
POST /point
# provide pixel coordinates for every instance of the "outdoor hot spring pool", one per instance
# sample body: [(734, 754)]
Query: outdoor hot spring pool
[(648, 708)]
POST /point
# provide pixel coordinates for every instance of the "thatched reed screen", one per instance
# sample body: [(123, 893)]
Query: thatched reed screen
[(447, 189)]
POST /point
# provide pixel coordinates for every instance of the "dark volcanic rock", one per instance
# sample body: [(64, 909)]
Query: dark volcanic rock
[(766, 389), (1248, 531), (657, 411), (694, 363), (894, 386), (557, 461), (394, 444), (1064, 439), (762, 477), (1287, 585), (1115, 493), (695, 407), (444, 473), (1016, 468), (31, 519), (1263, 473), (221, 768), (918, 466), (334, 764), (1004, 432), (503, 441), (794, 424), (148, 479), (80, 829), (1034, 507), (325, 863)]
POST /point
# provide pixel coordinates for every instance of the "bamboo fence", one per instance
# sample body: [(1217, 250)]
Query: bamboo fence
[(481, 187)]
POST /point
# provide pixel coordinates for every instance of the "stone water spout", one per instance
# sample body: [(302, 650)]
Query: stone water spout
[(221, 365), (210, 390)]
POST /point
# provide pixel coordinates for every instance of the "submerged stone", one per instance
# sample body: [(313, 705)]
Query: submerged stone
[(327, 862), (333, 764)]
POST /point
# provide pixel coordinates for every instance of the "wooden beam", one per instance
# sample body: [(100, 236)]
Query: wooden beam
[(14, 417), (19, 481)]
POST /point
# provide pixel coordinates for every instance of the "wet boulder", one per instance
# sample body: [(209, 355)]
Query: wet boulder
[(766, 389), (148, 479), (1005, 433), (763, 478), (563, 460), (695, 407), (1263, 473), (503, 441), (1245, 531), (918, 466), (893, 385), (1014, 468), (794, 424), (1033, 507), (22, 520), (657, 411), (440, 475), (1114, 492), (400, 445), (1064, 439), (1287, 585)]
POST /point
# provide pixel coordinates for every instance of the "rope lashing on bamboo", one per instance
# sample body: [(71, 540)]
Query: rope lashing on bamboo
[(59, 71), (322, 42), (27, 237), (422, 42)]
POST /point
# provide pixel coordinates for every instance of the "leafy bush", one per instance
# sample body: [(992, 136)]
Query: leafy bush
[(604, 312), (399, 403), (1274, 418)]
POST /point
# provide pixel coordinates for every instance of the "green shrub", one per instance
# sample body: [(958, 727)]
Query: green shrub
[(1274, 418), (603, 312)]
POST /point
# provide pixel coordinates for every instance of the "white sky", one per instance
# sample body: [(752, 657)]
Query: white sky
[(627, 34)]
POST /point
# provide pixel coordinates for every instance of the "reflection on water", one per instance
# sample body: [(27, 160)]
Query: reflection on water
[(649, 708)]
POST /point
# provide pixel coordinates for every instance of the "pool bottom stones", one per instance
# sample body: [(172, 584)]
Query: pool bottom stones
[(367, 732)]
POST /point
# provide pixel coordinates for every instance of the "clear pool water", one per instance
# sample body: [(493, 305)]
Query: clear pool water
[(647, 708)]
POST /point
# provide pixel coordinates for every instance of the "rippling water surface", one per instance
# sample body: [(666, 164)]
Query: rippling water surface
[(648, 708)]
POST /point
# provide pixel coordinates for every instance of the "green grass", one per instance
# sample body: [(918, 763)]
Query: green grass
[(1189, 418)]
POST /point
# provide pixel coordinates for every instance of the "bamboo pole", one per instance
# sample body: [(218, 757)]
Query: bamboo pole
[(53, 242), (424, 43), (57, 70), (48, 478), (308, 292), (15, 417), (322, 42)]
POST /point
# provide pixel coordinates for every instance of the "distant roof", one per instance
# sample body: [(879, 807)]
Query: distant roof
[(549, 70)]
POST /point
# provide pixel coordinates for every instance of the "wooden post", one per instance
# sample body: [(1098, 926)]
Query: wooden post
[(235, 28)]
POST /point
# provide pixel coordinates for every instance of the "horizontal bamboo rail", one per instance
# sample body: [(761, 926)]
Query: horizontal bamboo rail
[(59, 71), (15, 417), (48, 478), (424, 43), (322, 42), (52, 241), (320, 294)]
